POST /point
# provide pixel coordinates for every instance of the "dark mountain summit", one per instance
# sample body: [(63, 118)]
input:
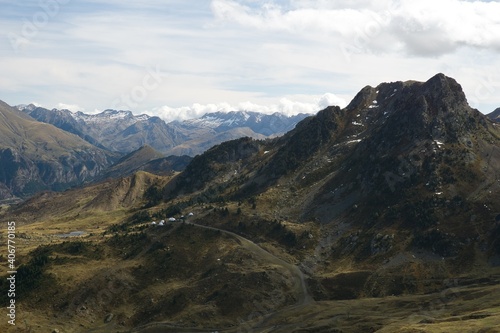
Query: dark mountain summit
[(411, 155)]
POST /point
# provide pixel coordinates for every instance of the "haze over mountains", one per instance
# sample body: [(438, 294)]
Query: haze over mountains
[(383, 215)]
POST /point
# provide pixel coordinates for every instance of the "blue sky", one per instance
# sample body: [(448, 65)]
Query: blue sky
[(179, 59)]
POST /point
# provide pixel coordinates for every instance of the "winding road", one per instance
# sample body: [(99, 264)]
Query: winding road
[(300, 288)]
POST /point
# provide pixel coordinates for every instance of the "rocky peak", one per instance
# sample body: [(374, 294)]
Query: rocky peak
[(436, 109)]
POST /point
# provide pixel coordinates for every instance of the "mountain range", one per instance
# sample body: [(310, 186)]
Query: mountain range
[(45, 149), (124, 132), (380, 216)]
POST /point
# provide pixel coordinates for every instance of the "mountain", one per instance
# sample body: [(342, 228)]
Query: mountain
[(37, 156), (203, 139), (146, 159), (495, 115), (381, 216), (407, 168), (217, 127), (122, 131), (118, 131), (268, 125)]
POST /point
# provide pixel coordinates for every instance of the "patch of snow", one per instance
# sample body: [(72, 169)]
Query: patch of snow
[(439, 143), (357, 124), (353, 141), (142, 117), (266, 152), (373, 106)]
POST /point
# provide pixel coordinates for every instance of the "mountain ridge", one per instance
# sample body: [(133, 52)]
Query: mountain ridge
[(37, 156), (124, 132)]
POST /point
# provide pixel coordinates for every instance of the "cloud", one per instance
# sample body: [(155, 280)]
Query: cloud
[(71, 107), (264, 51), (421, 28), (289, 106)]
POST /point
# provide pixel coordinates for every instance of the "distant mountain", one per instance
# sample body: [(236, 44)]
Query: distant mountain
[(203, 139), (119, 131), (217, 127), (495, 115), (122, 131), (268, 125), (146, 159), (35, 156)]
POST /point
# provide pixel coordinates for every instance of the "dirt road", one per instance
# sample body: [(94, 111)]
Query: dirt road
[(300, 289)]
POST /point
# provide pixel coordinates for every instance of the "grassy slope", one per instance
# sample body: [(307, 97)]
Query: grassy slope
[(34, 138)]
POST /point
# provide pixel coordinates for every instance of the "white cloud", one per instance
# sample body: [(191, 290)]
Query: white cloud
[(287, 105), (423, 28), (264, 51), (71, 107)]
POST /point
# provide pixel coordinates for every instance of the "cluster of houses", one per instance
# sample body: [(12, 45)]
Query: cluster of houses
[(170, 219)]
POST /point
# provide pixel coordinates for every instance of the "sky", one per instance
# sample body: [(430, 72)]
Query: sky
[(179, 59)]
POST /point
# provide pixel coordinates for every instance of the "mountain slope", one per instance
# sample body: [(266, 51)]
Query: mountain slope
[(37, 156), (495, 115), (146, 159), (202, 141), (411, 156), (62, 119)]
